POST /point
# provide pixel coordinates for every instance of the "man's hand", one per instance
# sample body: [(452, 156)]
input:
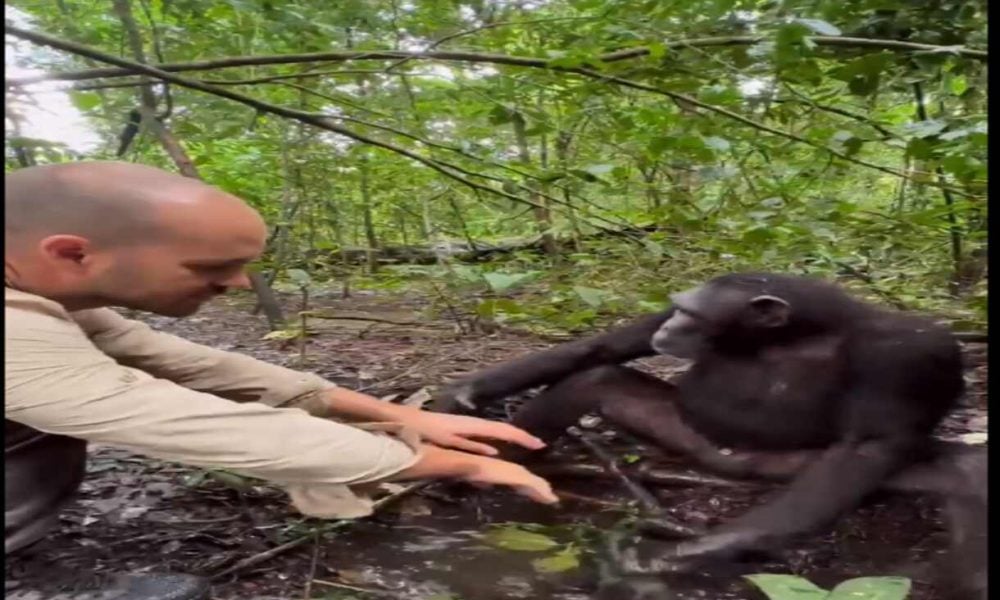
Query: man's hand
[(492, 471), (455, 431), (450, 431), (480, 471)]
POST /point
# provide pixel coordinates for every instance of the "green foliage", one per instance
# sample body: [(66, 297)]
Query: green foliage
[(519, 538), (793, 587), (721, 190)]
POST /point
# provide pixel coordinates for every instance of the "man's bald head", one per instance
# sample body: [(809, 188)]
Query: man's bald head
[(111, 233), (109, 203)]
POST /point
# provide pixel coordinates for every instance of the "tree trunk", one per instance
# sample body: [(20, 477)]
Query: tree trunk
[(367, 216), (543, 216), (174, 149), (563, 142)]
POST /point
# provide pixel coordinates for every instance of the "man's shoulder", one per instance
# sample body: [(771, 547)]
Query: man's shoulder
[(23, 310), (20, 305)]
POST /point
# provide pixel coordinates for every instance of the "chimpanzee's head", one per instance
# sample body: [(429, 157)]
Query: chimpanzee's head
[(744, 311)]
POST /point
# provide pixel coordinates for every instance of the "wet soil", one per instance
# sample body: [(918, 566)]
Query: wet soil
[(137, 514)]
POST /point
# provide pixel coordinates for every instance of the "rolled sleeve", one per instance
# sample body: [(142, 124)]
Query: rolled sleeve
[(230, 375)]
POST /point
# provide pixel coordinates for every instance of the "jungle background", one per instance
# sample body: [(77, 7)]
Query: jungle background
[(451, 183)]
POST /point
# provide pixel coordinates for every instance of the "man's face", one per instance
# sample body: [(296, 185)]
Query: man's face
[(198, 260)]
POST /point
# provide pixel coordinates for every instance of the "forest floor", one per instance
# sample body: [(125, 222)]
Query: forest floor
[(136, 514)]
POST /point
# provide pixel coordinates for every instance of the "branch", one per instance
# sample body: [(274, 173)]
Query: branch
[(316, 120), (479, 57)]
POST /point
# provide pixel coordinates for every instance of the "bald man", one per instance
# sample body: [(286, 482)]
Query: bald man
[(86, 236)]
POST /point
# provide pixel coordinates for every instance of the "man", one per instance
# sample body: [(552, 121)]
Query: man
[(83, 237)]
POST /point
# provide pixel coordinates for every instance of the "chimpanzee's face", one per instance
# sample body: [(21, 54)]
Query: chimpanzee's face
[(708, 312), (684, 334)]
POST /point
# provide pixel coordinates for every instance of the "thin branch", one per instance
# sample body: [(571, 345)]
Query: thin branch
[(503, 59), (269, 79), (805, 99), (440, 42)]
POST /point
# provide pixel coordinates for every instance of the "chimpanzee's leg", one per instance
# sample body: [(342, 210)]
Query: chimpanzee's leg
[(638, 402), (645, 406)]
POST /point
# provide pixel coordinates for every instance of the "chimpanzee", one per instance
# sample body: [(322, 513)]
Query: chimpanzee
[(792, 379)]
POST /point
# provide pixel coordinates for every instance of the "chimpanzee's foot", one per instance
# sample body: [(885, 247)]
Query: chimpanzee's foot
[(146, 586), (654, 557)]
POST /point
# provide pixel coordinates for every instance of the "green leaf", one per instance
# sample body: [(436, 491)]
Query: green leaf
[(592, 296), (649, 306), (509, 186), (85, 101), (717, 143), (584, 175), (872, 588), (501, 282), (564, 560), (819, 26), (924, 129), (958, 85), (787, 587), (230, 480), (282, 334), (512, 538), (657, 50), (567, 62), (864, 74), (299, 277), (599, 169), (846, 142), (501, 115)]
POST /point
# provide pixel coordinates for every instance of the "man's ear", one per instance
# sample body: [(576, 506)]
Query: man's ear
[(769, 311), (62, 248)]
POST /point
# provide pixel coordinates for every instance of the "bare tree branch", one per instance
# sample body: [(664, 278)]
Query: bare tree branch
[(502, 59)]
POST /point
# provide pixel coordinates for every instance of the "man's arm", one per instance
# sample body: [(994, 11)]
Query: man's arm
[(231, 375), (58, 382), (243, 378)]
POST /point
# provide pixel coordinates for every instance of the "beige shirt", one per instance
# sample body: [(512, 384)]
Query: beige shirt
[(97, 376)]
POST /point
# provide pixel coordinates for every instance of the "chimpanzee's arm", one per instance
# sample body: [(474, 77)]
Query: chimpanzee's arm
[(880, 436), (833, 484), (548, 366)]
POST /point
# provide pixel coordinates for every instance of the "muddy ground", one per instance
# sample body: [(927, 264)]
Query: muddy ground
[(136, 514)]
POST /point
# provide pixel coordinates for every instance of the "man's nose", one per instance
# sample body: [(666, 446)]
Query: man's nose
[(240, 280)]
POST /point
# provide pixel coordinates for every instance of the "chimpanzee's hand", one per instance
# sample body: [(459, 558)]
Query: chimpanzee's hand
[(648, 557), (455, 395)]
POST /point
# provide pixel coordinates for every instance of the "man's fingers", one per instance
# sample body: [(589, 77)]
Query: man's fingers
[(461, 443), (539, 490), (514, 435)]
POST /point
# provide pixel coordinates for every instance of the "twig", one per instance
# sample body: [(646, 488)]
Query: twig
[(307, 592), (657, 477), (563, 494), (647, 500), (316, 315), (655, 516), (354, 588)]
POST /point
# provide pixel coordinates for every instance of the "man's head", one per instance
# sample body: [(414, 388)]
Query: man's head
[(91, 234)]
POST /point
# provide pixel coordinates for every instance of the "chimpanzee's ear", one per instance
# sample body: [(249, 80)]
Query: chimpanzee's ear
[(769, 311)]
